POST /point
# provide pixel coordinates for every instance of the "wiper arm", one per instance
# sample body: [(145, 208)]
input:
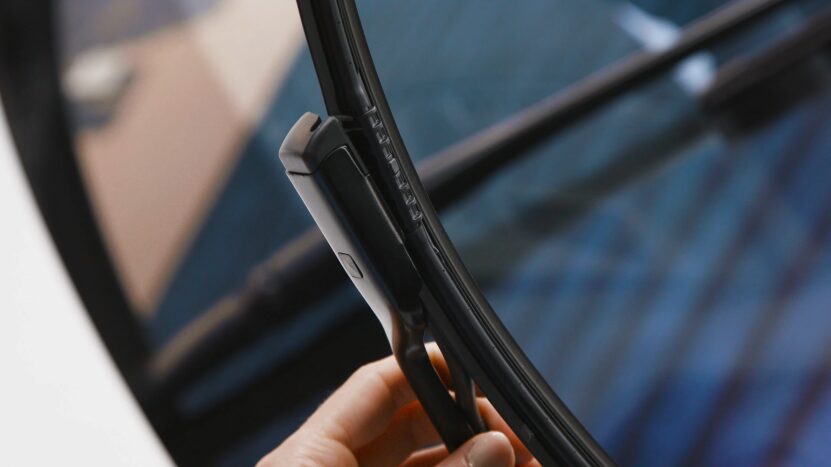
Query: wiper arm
[(457, 170)]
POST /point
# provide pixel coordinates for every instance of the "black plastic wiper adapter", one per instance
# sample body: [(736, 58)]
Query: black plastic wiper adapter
[(343, 200)]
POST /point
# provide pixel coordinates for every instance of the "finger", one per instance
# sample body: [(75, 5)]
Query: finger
[(439, 363), (361, 409), (303, 448), (492, 449), (428, 457), (363, 406), (495, 422), (410, 430)]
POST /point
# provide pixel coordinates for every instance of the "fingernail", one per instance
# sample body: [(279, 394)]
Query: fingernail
[(490, 450)]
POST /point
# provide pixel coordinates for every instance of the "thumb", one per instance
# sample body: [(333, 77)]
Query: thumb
[(490, 449)]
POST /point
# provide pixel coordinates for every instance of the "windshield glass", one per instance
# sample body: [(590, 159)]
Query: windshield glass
[(662, 261)]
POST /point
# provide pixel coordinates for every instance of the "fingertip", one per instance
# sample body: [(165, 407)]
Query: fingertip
[(491, 449)]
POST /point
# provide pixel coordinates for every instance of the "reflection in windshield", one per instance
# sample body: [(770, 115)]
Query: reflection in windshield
[(165, 94)]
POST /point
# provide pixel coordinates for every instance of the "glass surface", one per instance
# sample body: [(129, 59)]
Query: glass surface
[(663, 263)]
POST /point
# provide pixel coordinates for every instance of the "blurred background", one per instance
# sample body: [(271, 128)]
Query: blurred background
[(664, 261)]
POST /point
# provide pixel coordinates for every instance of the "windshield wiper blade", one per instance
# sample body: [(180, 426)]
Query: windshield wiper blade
[(356, 178)]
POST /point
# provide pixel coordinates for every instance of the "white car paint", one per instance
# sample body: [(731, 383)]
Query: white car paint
[(62, 401)]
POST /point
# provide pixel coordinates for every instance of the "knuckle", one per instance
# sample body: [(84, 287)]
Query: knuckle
[(364, 371)]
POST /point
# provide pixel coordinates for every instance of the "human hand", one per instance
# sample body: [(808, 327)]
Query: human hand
[(374, 419)]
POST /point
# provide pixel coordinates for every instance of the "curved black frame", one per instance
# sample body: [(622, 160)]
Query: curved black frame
[(36, 113)]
